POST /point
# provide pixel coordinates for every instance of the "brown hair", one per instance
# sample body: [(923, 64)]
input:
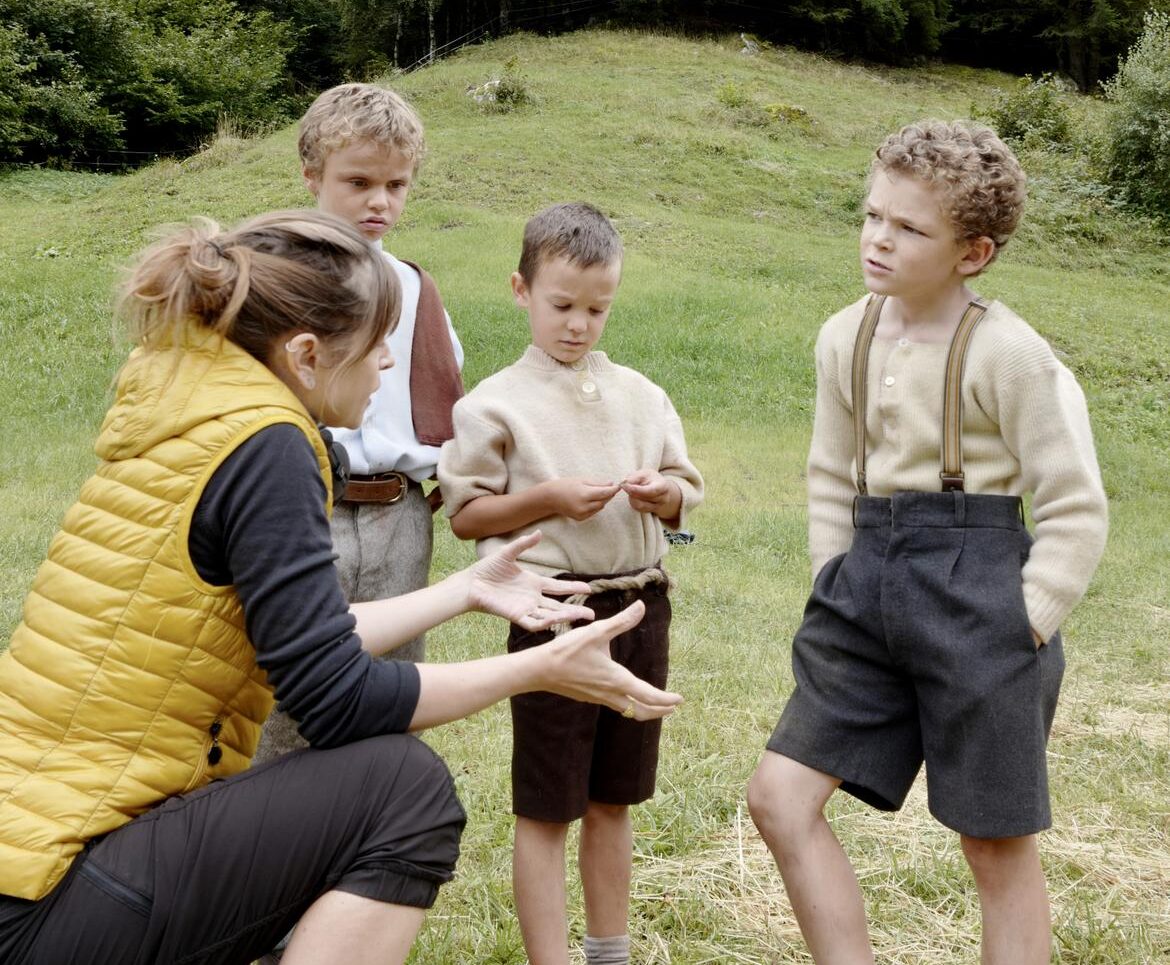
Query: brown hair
[(277, 273), (573, 230), (981, 180), (358, 112)]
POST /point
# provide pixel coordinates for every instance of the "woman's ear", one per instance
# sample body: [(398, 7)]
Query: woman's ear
[(979, 252), (301, 357)]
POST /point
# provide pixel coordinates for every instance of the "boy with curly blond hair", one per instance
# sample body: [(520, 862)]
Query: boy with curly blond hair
[(932, 632)]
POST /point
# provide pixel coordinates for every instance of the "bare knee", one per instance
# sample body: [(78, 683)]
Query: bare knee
[(541, 832), (786, 800), (605, 815), (998, 862)]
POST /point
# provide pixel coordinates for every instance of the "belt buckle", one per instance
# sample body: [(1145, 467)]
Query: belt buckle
[(402, 485)]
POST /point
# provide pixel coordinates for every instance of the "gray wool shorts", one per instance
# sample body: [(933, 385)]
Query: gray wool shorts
[(916, 647)]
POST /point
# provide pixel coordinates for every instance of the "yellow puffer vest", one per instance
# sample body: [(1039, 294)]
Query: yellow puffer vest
[(129, 678)]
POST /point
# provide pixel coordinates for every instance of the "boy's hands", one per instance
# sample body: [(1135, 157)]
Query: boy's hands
[(580, 498), (652, 492)]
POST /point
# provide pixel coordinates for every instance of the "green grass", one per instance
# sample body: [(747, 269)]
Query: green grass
[(741, 238)]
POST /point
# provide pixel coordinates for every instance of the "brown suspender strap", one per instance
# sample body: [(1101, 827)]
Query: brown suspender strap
[(952, 445), (869, 322)]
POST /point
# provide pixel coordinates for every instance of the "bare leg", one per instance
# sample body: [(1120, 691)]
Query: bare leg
[(787, 802), (351, 930), (606, 860), (1013, 897), (538, 883)]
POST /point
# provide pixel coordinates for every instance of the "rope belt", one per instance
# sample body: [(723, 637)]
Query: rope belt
[(629, 581)]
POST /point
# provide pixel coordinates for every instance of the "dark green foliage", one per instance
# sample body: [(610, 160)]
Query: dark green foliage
[(107, 82), (112, 82), (1081, 39), (1138, 143)]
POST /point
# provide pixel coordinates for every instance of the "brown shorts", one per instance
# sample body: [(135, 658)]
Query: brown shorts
[(566, 753), (221, 874)]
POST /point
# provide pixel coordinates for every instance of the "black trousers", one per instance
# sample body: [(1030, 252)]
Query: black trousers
[(221, 874)]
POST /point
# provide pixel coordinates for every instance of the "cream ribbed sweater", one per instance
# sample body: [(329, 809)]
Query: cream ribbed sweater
[(538, 420), (1025, 430)]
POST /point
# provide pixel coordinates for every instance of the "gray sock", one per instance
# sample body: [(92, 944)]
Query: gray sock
[(614, 950)]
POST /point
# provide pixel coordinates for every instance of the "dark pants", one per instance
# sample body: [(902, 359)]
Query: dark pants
[(916, 646), (222, 874), (566, 753)]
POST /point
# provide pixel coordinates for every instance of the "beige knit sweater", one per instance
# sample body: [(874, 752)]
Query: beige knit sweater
[(539, 419), (1025, 430)]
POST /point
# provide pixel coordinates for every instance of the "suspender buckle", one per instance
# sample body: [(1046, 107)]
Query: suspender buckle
[(952, 482)]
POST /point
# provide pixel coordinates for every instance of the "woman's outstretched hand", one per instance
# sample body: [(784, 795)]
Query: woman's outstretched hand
[(576, 664), (498, 585), (580, 667)]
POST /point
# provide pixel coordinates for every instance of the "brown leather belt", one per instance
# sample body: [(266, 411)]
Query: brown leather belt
[(382, 487)]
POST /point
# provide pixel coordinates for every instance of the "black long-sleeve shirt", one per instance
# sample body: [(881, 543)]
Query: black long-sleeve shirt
[(261, 526)]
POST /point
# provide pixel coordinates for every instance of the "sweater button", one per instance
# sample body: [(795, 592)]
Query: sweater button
[(890, 380), (588, 387)]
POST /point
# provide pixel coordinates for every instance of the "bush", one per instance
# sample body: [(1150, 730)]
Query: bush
[(503, 93), (1137, 149), (1033, 114), (91, 80)]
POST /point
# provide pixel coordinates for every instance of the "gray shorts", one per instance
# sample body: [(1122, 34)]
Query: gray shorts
[(221, 874), (916, 646)]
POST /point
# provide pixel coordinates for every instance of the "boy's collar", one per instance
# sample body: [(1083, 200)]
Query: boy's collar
[(594, 361)]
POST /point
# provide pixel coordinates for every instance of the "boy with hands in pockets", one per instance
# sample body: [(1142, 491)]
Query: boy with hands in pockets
[(593, 453), (932, 630)]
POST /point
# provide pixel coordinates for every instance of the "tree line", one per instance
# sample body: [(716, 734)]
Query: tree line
[(114, 82)]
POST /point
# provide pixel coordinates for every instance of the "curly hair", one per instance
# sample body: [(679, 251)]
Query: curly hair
[(981, 180), (358, 112)]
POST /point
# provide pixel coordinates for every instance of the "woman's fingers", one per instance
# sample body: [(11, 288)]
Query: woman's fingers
[(589, 673), (548, 613), (513, 549), (651, 710), (554, 587)]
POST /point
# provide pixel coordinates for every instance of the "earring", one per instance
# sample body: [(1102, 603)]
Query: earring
[(310, 381)]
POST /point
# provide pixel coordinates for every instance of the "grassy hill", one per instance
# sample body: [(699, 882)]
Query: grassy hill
[(735, 183)]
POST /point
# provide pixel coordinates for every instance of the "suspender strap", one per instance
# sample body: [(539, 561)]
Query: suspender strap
[(869, 321), (952, 445)]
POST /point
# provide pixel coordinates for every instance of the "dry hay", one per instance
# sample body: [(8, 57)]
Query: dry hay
[(920, 899)]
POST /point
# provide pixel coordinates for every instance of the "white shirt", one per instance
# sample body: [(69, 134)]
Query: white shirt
[(386, 439)]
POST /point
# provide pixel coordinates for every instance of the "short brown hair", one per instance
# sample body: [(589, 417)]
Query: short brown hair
[(358, 112), (574, 230), (981, 180)]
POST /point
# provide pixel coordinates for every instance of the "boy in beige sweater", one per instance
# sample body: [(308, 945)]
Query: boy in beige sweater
[(592, 454), (932, 630)]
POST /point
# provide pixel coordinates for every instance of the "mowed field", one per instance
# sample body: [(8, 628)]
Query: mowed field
[(735, 182)]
